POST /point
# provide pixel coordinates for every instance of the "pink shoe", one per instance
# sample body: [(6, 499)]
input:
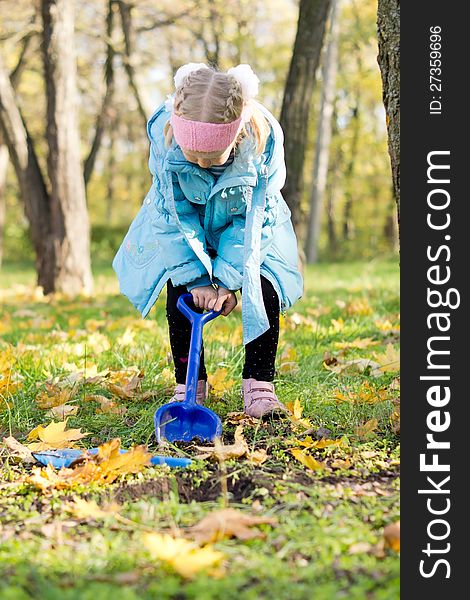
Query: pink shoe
[(201, 393), (259, 398)]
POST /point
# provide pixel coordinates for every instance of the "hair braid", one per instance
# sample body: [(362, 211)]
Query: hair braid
[(215, 97)]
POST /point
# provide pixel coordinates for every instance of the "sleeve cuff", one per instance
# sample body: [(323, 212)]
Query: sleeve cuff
[(229, 274), (219, 283), (199, 282)]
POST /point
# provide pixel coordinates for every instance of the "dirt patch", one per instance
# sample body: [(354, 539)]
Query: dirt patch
[(240, 485)]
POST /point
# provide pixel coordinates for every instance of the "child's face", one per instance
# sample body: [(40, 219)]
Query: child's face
[(208, 159)]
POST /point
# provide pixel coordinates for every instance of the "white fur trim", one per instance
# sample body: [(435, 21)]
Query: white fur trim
[(169, 102), (185, 70), (248, 80)]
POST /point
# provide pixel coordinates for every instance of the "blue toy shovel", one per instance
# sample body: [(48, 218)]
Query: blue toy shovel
[(67, 456), (184, 421)]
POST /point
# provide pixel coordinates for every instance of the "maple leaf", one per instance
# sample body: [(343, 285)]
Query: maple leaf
[(18, 450), (63, 411), (7, 359), (288, 361), (97, 342), (221, 452), (126, 383), (357, 365), (238, 449), (54, 436), (366, 393), (103, 467), (227, 523), (367, 429), (307, 460), (54, 395), (107, 405), (390, 360), (113, 463), (185, 557)]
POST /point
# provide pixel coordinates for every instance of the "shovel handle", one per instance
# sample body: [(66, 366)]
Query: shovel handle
[(197, 321), (191, 314)]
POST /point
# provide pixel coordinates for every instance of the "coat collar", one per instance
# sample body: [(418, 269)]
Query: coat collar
[(242, 171)]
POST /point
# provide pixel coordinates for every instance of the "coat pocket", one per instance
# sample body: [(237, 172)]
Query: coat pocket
[(234, 200), (140, 247), (138, 263)]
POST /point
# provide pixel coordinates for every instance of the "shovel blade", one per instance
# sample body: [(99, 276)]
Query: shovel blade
[(183, 422)]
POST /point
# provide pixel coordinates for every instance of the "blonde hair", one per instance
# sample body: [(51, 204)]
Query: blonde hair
[(212, 96)]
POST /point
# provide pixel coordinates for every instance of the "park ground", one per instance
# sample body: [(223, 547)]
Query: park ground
[(324, 478)]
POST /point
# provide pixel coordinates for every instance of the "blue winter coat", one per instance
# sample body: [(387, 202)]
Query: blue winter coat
[(189, 215)]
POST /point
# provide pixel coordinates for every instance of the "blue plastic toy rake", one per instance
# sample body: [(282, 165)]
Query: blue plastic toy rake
[(185, 421)]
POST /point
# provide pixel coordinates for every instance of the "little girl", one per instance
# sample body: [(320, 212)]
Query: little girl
[(214, 222)]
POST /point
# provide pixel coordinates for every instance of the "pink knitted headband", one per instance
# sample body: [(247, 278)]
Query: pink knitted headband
[(198, 136)]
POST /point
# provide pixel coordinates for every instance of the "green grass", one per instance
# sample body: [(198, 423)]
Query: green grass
[(322, 515)]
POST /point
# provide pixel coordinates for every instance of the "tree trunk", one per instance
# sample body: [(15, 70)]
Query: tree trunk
[(105, 115), (388, 29), (3, 180), (30, 180), (14, 78), (112, 175), (348, 226), (322, 151), (128, 31), (69, 217), (300, 81)]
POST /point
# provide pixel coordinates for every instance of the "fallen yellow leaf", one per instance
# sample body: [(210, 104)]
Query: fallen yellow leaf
[(357, 343), (185, 557), (103, 467), (221, 452), (307, 442), (359, 306), (307, 460), (54, 436), (54, 395), (63, 411), (288, 361), (392, 536), (107, 405), (296, 410), (227, 523), (390, 360), (220, 382), (367, 429), (238, 449), (89, 509)]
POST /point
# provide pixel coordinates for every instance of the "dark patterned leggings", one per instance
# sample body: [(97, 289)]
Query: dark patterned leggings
[(260, 354)]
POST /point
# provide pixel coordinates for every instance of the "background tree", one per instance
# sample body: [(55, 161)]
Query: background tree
[(300, 81), (113, 140), (70, 230), (388, 29), (322, 147)]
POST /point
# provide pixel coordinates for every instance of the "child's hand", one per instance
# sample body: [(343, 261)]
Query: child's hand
[(204, 297), (225, 299)]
